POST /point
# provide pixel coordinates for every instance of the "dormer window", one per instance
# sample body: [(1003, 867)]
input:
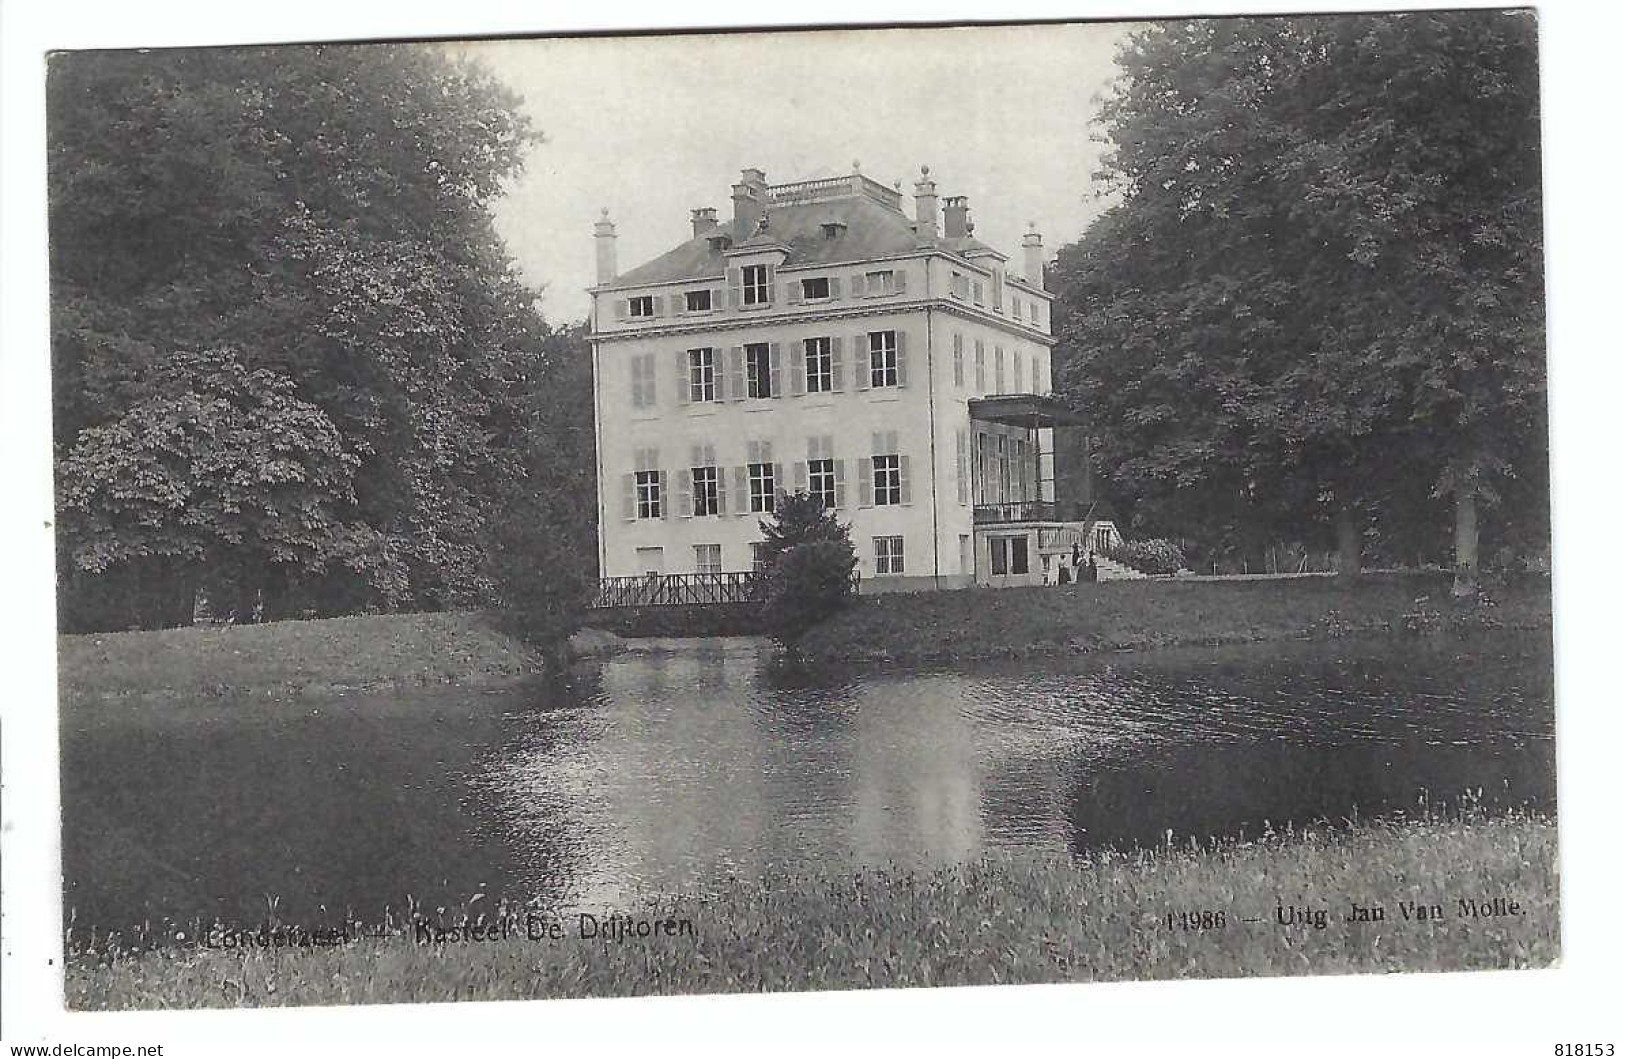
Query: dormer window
[(812, 289), (640, 307), (754, 280), (833, 229)]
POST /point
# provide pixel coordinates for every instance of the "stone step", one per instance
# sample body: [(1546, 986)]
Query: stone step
[(1112, 570)]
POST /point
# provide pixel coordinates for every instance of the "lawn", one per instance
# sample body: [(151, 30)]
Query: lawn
[(1002, 919), (984, 623), (293, 656)]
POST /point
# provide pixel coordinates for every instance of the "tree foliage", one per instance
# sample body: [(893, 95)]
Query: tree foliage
[(808, 561), (289, 350), (1317, 299)]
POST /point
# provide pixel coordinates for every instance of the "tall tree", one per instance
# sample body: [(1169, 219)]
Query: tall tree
[(1321, 281), (274, 273)]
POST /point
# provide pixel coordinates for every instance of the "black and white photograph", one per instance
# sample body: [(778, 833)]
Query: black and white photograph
[(801, 509)]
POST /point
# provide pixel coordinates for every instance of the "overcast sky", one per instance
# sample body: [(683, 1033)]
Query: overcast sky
[(652, 127)]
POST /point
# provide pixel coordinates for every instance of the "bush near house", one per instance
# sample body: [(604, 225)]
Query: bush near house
[(1154, 556), (808, 559)]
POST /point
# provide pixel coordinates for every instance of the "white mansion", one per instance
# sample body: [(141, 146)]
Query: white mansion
[(825, 341)]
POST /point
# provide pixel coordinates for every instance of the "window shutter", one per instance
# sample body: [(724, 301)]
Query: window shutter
[(834, 287), (779, 482), (772, 282), (735, 296), (682, 377), (959, 362), (665, 494), (742, 489), (902, 479), (840, 483), (629, 496), (866, 483), (736, 373), (901, 279), (722, 492), (658, 304), (685, 493), (902, 358), (792, 292), (636, 380), (861, 361), (798, 373), (858, 289), (620, 309), (801, 476), (775, 388), (837, 366), (717, 299)]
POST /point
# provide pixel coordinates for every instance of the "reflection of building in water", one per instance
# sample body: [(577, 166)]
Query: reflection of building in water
[(915, 776)]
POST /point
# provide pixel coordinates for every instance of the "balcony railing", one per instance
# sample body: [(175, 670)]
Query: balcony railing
[(1026, 511)]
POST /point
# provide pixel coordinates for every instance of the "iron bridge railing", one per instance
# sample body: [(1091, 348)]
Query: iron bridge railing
[(682, 590)]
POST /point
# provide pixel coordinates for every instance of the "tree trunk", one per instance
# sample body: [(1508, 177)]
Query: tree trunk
[(1466, 544), (1348, 545)]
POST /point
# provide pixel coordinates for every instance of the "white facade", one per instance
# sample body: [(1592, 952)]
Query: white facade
[(760, 358)]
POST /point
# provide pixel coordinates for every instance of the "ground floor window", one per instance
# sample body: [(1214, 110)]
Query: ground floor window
[(1008, 555), (758, 560), (708, 558), (888, 555), (652, 561)]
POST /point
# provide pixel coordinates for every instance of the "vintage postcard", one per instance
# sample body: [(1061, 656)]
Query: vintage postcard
[(802, 510)]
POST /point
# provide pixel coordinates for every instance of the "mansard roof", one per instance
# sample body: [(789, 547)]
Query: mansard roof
[(872, 230)]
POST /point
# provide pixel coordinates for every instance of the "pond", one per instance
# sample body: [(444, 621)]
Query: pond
[(676, 764)]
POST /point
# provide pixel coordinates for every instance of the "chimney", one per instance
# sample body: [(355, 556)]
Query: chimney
[(603, 235), (750, 203), (1032, 251), (925, 207), (955, 209), (705, 220)]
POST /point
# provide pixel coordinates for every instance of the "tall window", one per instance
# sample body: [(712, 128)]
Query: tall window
[(959, 360), (643, 381), (648, 485), (888, 555), (698, 301), (758, 561), (708, 558), (888, 476), (755, 281), (882, 358), (702, 375), (981, 367), (821, 481), (758, 370), (1008, 555), (820, 368), (707, 491), (761, 486)]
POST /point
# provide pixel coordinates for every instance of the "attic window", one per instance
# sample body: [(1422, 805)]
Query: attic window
[(833, 229), (815, 288), (718, 241)]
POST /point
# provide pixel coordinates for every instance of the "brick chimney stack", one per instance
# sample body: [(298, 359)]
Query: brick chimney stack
[(1032, 252), (955, 208), (750, 203), (705, 220), (925, 207), (603, 235)]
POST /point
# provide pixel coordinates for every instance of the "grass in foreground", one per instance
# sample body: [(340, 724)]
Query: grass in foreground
[(1130, 615), (1003, 919), (326, 654)]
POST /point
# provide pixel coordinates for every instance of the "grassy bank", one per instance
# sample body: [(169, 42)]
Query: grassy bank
[(1000, 920), (293, 656), (1132, 615)]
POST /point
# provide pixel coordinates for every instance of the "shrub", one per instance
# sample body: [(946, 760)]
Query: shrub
[(1155, 556)]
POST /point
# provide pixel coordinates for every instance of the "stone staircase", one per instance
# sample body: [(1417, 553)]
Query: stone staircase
[(1111, 570)]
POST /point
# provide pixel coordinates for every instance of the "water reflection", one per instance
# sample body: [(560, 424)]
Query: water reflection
[(679, 763)]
